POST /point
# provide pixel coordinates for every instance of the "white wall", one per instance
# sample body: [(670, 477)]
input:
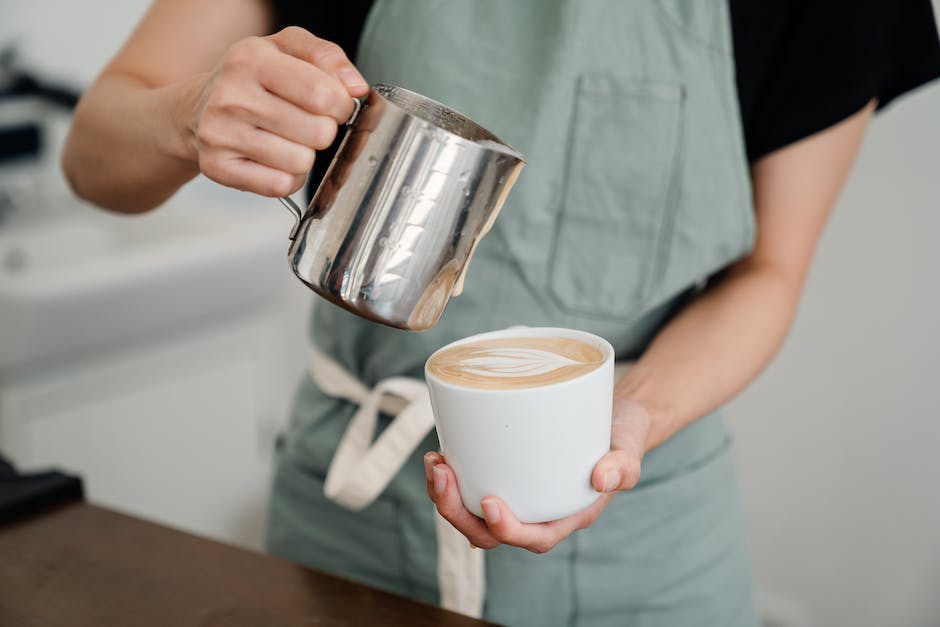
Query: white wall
[(837, 439), (220, 383), (68, 40)]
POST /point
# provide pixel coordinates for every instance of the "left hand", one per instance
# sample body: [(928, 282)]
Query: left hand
[(618, 470)]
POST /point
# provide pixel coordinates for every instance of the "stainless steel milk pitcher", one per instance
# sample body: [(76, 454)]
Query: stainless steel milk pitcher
[(412, 190)]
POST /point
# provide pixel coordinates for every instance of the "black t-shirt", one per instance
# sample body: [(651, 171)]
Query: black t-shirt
[(802, 65)]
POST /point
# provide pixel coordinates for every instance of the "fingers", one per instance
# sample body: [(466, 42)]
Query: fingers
[(240, 155), (238, 172), (538, 537), (505, 527), (269, 105), (309, 87), (431, 459), (442, 488), (262, 61), (221, 137), (282, 118), (324, 54), (619, 469), (278, 153), (500, 525)]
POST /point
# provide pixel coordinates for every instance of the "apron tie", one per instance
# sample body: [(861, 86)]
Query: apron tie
[(361, 469)]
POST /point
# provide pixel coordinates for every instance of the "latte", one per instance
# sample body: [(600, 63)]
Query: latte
[(511, 363)]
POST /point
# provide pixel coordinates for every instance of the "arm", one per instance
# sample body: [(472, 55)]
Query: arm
[(720, 343), (711, 350), (196, 89)]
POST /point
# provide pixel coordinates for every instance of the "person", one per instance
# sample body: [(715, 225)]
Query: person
[(682, 161)]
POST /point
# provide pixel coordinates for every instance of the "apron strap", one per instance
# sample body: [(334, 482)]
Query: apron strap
[(360, 469), (461, 570)]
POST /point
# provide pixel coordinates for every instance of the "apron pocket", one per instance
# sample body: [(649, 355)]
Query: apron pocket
[(613, 232)]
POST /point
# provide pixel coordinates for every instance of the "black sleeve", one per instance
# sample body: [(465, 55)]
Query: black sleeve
[(804, 65), (339, 22)]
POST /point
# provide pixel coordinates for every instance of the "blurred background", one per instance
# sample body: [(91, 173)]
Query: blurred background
[(156, 355), (153, 355)]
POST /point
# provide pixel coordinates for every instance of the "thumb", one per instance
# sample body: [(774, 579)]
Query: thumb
[(619, 469)]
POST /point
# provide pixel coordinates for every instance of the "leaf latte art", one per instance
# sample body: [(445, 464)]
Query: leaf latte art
[(507, 363)]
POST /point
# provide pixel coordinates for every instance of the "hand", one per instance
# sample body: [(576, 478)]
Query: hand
[(618, 470), (259, 116)]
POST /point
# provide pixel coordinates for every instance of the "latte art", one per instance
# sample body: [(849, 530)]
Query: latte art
[(515, 362), (505, 363)]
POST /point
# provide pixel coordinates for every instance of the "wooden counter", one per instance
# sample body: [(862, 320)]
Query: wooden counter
[(78, 565)]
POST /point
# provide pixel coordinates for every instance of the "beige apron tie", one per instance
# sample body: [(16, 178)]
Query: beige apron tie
[(360, 469)]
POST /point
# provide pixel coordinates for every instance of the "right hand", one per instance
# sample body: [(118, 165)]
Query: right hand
[(618, 469), (271, 102)]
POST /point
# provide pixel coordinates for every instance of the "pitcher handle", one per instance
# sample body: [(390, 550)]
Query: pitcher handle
[(288, 202)]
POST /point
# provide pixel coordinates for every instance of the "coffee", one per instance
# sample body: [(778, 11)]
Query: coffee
[(512, 363), (524, 414)]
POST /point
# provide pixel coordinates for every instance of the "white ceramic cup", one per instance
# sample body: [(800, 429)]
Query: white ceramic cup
[(532, 447)]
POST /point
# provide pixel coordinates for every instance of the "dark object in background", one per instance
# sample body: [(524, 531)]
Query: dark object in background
[(15, 81), (20, 140), (21, 134), (26, 494)]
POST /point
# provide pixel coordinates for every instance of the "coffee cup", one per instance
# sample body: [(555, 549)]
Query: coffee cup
[(524, 414)]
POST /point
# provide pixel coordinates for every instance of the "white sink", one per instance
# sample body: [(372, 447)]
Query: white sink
[(89, 279)]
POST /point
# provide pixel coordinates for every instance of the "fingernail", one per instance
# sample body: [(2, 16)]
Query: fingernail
[(611, 480), (351, 78), (490, 511), (472, 545), (440, 480)]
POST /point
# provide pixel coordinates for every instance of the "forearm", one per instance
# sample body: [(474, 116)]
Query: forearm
[(708, 352), (254, 121), (128, 148), (713, 348), (722, 340), (132, 143)]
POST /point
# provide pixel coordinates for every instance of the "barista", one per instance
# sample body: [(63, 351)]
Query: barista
[(671, 145)]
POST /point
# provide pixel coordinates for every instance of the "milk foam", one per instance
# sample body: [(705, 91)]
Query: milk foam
[(507, 362), (515, 362)]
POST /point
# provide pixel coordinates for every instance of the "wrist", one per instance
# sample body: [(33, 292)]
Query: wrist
[(631, 411), (633, 395), (183, 105)]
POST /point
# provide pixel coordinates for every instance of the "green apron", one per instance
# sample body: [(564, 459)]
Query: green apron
[(636, 190)]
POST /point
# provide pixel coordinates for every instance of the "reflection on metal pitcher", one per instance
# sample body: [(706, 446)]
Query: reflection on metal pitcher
[(413, 188)]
